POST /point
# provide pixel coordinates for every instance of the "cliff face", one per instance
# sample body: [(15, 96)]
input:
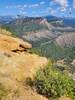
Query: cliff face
[(16, 65), (66, 40)]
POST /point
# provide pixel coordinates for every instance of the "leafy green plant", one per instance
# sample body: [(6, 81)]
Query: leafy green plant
[(53, 83)]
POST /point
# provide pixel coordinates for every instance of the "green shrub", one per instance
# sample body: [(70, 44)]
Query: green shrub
[(53, 83)]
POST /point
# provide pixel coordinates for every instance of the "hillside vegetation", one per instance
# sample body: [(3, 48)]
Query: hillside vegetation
[(54, 83), (4, 31), (20, 26), (24, 75)]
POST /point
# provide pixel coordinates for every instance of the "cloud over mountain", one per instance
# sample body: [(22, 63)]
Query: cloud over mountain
[(63, 3)]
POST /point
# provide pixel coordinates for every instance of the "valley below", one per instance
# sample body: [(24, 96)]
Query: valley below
[(30, 44)]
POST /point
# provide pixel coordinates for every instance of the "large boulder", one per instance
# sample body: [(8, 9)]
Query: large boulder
[(8, 43)]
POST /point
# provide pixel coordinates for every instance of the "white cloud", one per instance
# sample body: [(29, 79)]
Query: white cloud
[(62, 9), (43, 12), (73, 3), (63, 3), (53, 12), (22, 8), (51, 3), (8, 7), (42, 2), (34, 12), (14, 6), (23, 12), (25, 6), (33, 5), (49, 8)]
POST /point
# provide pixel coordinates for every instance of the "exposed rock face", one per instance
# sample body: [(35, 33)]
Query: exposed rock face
[(41, 34), (8, 43), (16, 67), (73, 63), (67, 40)]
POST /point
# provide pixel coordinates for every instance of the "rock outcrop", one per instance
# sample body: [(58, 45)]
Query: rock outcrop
[(66, 40), (8, 43), (16, 67)]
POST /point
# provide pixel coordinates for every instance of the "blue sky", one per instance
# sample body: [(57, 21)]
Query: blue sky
[(38, 7)]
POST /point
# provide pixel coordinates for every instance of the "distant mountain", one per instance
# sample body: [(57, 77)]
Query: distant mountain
[(51, 18), (35, 28), (6, 19), (69, 22), (22, 26), (66, 21)]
